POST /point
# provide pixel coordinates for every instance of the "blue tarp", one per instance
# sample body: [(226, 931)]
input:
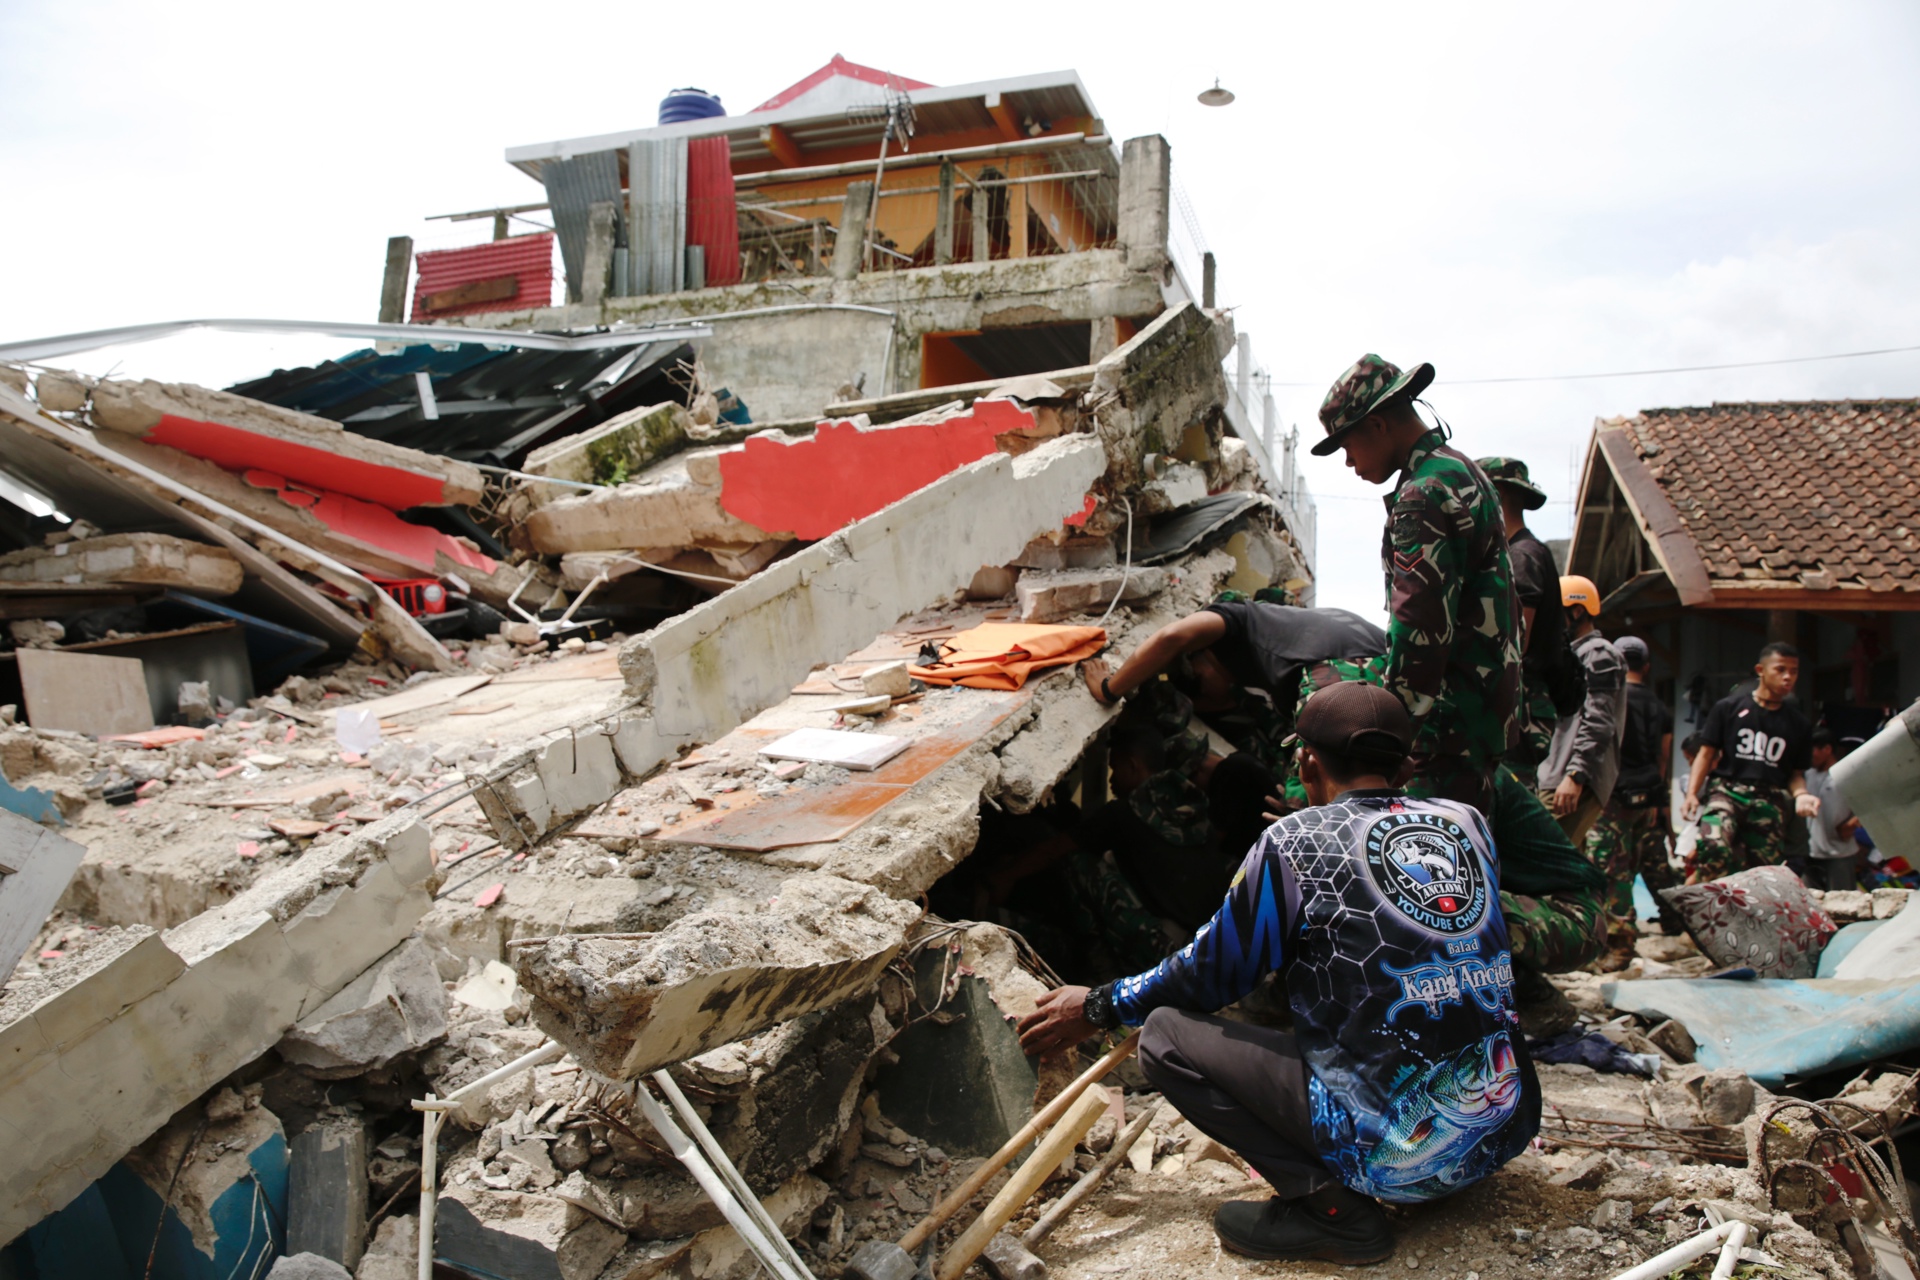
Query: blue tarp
[(1774, 1028)]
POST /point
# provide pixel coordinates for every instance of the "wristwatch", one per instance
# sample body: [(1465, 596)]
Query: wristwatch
[(1106, 691), (1099, 1009)]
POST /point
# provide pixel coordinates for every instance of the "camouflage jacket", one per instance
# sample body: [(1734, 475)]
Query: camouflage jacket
[(1453, 650)]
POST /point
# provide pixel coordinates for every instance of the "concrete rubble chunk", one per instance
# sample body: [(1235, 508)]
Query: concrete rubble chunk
[(397, 1006), (526, 1235), (1049, 597), (153, 559), (307, 1266), (618, 449), (297, 445), (94, 1069), (395, 1251), (624, 1007)]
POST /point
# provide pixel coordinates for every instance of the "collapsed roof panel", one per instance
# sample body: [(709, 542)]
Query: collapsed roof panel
[(492, 406)]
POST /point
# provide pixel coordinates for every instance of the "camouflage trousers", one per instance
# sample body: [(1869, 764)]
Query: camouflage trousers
[(1557, 933), (1536, 734), (1107, 915), (1742, 825), (1626, 843)]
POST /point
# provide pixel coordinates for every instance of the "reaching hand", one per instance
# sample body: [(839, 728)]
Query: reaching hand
[(1058, 1022), (1566, 796), (1275, 807), (1807, 804), (1095, 672), (1690, 808)]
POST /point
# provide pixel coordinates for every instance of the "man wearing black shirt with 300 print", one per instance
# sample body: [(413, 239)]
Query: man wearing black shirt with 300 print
[(1752, 761)]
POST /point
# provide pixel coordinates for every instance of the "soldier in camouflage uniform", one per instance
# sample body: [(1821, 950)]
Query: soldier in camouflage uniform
[(1453, 652), (1754, 752), (1453, 658), (1536, 582)]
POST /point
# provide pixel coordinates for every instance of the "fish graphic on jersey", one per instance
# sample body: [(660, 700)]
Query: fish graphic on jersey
[(1428, 1139)]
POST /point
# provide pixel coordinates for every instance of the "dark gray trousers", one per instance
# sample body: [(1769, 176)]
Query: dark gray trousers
[(1243, 1086)]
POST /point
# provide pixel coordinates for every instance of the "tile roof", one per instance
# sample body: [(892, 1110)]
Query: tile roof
[(1784, 494)]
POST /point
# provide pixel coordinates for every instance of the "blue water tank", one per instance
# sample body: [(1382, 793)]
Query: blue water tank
[(690, 104)]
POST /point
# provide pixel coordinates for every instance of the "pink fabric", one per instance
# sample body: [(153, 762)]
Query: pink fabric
[(1761, 918)]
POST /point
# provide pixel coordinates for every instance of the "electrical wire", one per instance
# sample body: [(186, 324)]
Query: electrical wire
[(1127, 572), (1645, 373)]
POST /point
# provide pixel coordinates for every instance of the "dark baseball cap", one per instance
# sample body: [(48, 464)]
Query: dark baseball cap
[(1359, 721)]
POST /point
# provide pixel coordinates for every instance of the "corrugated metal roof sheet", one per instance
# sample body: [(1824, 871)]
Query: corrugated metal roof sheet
[(527, 260), (494, 405), (574, 186)]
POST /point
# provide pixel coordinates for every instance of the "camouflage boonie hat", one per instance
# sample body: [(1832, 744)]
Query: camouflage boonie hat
[(1511, 473), (1370, 383)]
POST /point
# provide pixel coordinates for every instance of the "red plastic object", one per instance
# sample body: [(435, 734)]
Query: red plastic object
[(418, 596), (527, 259)]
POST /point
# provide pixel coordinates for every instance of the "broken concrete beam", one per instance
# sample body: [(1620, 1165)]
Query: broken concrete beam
[(362, 534), (624, 1007), (675, 503), (613, 452), (1049, 597), (397, 1006), (1152, 393), (239, 433), (155, 559), (268, 555), (93, 1069), (708, 670), (803, 487), (327, 1193), (61, 392)]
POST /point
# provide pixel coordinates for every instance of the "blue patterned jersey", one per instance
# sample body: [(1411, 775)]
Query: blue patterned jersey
[(1382, 914)]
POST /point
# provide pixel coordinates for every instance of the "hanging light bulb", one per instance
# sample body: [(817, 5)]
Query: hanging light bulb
[(1216, 96)]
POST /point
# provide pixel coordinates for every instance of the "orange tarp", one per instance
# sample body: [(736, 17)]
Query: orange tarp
[(1001, 655)]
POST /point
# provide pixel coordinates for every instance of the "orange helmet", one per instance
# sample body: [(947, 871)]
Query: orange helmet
[(1576, 590)]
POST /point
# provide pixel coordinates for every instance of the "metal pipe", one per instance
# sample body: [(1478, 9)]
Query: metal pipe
[(716, 1189), (433, 1114), (528, 475), (725, 1166), (73, 343)]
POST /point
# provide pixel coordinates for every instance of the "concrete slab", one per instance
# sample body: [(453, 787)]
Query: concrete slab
[(238, 433), (152, 559), (626, 1006)]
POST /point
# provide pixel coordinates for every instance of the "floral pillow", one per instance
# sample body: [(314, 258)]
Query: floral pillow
[(1761, 918)]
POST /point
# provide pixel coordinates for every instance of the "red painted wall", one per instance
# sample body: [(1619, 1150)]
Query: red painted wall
[(843, 473), (236, 449), (372, 524)]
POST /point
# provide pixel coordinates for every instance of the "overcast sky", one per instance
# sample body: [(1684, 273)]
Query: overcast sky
[(1507, 191)]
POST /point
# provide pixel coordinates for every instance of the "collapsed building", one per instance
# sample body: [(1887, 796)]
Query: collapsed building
[(504, 715)]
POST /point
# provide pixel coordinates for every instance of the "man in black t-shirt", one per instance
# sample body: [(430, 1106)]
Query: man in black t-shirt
[(1241, 663), (1631, 837), (1753, 757)]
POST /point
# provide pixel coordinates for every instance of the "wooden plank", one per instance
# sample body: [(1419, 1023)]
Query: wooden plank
[(84, 693), (37, 865), (498, 289), (428, 693)]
